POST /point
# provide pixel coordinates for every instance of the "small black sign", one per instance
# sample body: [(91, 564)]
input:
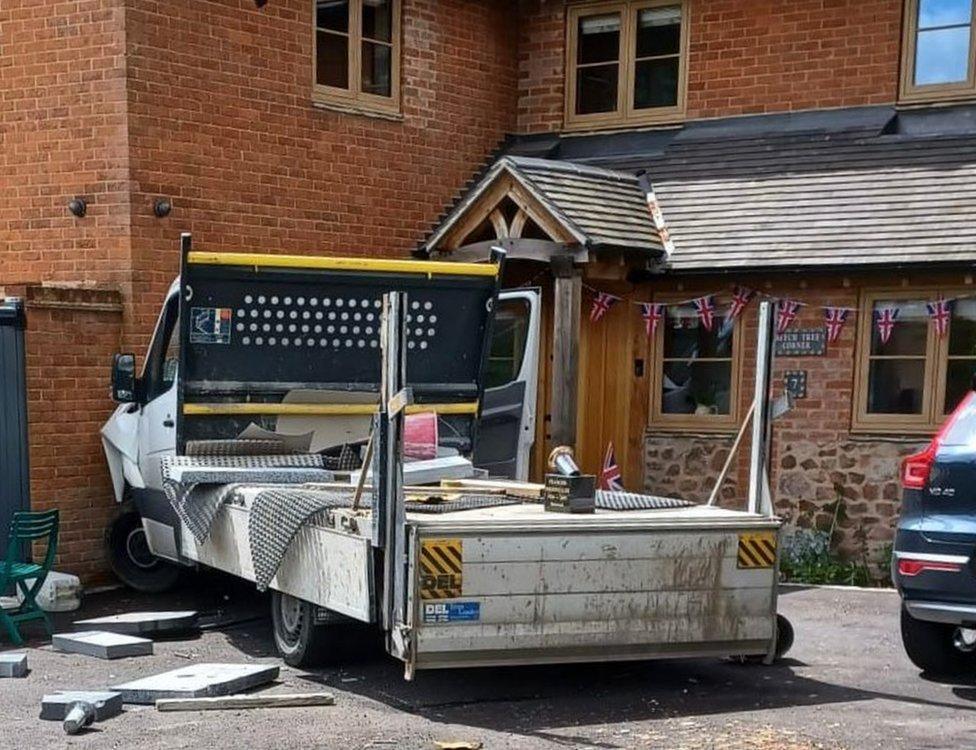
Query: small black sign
[(802, 342), (796, 383)]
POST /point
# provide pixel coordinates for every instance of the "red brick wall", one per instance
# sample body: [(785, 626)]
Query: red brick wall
[(745, 57), (62, 119), (221, 120), (70, 338)]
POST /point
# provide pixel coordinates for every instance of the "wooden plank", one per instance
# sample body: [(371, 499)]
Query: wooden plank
[(529, 490), (568, 292), (232, 702)]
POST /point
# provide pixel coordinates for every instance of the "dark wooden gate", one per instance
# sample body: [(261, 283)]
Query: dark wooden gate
[(14, 478)]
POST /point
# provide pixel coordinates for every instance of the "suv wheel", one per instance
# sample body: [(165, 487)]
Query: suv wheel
[(931, 646)]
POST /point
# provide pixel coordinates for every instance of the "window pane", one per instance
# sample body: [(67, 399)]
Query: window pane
[(686, 338), (895, 386), (596, 89), (698, 388), (332, 60), (959, 381), (658, 31), (656, 83), (962, 330), (507, 342), (944, 12), (376, 69), (598, 38), (378, 20), (942, 56), (332, 14), (910, 332)]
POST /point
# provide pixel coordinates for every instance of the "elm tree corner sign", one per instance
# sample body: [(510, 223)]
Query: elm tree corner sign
[(802, 342)]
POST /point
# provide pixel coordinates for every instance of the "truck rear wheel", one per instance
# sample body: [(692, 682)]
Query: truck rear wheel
[(930, 646), (299, 640), (130, 558)]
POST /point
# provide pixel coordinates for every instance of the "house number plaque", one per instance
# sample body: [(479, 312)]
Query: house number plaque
[(796, 383)]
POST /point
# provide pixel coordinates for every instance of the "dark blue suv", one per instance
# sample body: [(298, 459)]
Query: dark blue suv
[(934, 564)]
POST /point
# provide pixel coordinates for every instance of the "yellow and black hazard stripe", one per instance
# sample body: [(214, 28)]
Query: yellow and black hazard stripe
[(757, 550), (440, 568)]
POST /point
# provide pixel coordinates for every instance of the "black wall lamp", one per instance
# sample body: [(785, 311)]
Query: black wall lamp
[(78, 207), (162, 207)]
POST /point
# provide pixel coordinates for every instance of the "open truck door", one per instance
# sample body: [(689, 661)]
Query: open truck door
[(507, 428)]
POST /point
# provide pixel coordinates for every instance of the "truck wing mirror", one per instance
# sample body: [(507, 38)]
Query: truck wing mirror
[(124, 378)]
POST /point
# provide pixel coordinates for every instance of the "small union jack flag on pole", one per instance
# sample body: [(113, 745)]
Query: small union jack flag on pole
[(741, 296), (601, 305), (940, 311), (705, 307), (610, 473), (786, 314), (834, 319), (886, 318), (652, 313)]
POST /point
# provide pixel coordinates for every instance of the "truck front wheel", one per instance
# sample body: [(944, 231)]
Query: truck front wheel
[(131, 560), (299, 640)]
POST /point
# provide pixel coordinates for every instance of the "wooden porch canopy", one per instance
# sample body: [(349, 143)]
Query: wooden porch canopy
[(565, 215)]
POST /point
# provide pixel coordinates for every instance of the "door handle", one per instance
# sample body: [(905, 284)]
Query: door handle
[(168, 423)]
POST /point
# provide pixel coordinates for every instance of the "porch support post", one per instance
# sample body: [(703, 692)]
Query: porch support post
[(567, 294)]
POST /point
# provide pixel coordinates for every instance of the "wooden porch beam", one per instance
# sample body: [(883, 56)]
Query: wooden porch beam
[(564, 394)]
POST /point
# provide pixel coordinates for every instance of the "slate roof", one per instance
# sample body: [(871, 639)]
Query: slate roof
[(601, 208), (859, 187)]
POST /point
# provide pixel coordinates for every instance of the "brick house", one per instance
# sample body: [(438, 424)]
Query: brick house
[(805, 150)]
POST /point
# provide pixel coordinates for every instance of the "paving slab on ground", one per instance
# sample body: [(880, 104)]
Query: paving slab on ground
[(55, 707), (197, 681), (845, 684), (101, 644), (140, 623), (13, 665)]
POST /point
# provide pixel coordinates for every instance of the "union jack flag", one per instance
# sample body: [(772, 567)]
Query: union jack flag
[(940, 311), (651, 313), (741, 297), (610, 473), (834, 319), (601, 305), (705, 307), (786, 314), (886, 318)]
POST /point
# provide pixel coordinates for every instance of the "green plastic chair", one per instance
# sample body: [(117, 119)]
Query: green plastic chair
[(28, 577)]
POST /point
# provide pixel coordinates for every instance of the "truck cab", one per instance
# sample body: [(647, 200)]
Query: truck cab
[(141, 432)]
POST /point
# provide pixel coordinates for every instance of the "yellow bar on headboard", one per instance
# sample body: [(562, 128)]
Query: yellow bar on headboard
[(378, 265)]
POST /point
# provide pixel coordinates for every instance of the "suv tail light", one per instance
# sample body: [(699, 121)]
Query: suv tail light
[(915, 469), (908, 567)]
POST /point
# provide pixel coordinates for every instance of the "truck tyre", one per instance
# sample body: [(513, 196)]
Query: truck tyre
[(930, 646), (130, 558), (784, 636), (300, 642)]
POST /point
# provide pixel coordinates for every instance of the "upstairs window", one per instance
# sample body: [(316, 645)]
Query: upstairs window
[(357, 54), (938, 50), (626, 63)]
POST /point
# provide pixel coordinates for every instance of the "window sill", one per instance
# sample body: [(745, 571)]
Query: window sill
[(355, 109), (702, 432), (928, 98), (904, 437), (657, 123)]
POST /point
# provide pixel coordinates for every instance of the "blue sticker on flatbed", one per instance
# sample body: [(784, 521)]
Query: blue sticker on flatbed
[(440, 612), (210, 325)]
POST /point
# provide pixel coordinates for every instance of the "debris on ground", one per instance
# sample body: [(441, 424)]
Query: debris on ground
[(227, 702), (457, 744), (13, 665), (55, 707), (102, 645), (142, 623), (197, 681), (81, 714)]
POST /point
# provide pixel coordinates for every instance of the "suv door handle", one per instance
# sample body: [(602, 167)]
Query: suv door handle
[(169, 423)]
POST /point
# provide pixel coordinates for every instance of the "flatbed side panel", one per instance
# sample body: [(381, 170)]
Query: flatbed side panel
[(322, 566), (580, 595)]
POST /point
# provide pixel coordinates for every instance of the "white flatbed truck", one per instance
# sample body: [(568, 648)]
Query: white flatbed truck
[(504, 584)]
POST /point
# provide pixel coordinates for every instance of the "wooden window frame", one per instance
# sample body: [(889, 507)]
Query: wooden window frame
[(909, 92), (721, 423), (936, 365), (353, 98), (626, 114)]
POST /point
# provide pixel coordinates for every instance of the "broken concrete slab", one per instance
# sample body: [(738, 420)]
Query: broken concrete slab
[(141, 623), (13, 665), (197, 681), (101, 644), (55, 707)]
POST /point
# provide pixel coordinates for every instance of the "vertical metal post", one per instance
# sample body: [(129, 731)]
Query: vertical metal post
[(759, 456)]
